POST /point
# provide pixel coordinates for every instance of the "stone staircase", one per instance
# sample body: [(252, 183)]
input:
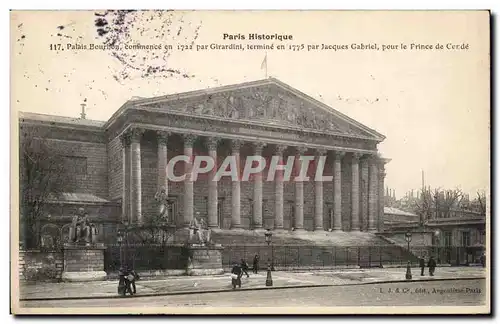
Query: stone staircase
[(313, 250)]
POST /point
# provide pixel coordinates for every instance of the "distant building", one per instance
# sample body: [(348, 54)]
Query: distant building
[(394, 217), (457, 237)]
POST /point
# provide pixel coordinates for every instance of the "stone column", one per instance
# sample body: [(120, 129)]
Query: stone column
[(381, 177), (235, 186), (135, 176), (162, 160), (355, 192), (212, 185), (278, 200), (299, 192), (188, 181), (337, 191), (257, 192), (373, 196), (125, 140), (363, 204), (318, 195)]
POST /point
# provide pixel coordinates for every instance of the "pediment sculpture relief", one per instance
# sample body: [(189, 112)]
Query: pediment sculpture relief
[(263, 104)]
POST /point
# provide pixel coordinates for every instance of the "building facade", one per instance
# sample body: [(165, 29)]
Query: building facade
[(122, 162)]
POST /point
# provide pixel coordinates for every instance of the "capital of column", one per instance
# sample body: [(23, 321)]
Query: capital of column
[(162, 136), (189, 140), (301, 150), (136, 134), (381, 174), (280, 149), (212, 143), (125, 139), (356, 156), (321, 152), (339, 155), (235, 146), (258, 146)]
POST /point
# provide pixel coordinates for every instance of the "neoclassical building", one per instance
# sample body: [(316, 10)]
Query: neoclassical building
[(123, 161)]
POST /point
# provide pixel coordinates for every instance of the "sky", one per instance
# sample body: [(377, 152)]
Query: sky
[(432, 105)]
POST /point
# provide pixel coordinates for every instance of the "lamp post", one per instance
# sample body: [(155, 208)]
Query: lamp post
[(408, 267), (119, 239), (121, 282), (269, 279), (437, 235)]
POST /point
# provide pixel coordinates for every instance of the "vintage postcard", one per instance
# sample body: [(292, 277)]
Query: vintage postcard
[(250, 162)]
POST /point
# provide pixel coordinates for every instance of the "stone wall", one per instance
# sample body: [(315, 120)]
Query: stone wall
[(83, 260), (36, 265), (95, 178)]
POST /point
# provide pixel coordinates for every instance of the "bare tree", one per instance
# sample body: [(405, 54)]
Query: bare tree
[(437, 201), (42, 176), (449, 200), (481, 201), (155, 230), (424, 205)]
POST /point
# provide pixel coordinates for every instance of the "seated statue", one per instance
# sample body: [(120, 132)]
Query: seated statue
[(81, 230), (199, 228)]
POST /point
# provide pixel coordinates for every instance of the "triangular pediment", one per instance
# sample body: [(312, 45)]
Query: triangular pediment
[(269, 102)]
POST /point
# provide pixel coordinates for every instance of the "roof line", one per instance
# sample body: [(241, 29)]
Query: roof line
[(270, 80), (329, 109)]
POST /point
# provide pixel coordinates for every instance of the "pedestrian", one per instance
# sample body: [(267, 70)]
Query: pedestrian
[(483, 259), (422, 265), (432, 265), (244, 267), (130, 278), (256, 263), (236, 276)]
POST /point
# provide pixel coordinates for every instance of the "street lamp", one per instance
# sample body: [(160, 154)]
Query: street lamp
[(269, 240), (269, 279), (408, 267), (437, 236), (119, 239)]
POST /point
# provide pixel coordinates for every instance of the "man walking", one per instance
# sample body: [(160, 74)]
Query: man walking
[(432, 266), (244, 267), (422, 265), (256, 263)]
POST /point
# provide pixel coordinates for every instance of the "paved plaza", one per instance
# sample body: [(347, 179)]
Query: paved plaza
[(463, 293), (281, 279)]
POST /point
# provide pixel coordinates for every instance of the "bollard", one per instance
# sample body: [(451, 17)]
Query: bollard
[(408, 271), (269, 279)]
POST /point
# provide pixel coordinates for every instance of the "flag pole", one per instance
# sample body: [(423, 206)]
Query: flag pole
[(266, 64)]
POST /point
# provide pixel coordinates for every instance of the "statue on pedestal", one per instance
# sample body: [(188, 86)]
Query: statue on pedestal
[(81, 230), (198, 227), (162, 198)]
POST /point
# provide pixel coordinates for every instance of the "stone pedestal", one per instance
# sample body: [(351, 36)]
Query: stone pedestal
[(204, 260), (83, 262)]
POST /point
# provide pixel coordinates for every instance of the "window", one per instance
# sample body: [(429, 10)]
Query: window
[(447, 239), (465, 239), (482, 236)]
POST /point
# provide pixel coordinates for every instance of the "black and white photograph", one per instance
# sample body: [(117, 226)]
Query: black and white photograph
[(250, 162)]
